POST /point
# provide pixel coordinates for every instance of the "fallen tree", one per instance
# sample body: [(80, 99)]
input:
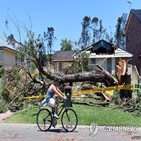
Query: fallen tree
[(97, 75)]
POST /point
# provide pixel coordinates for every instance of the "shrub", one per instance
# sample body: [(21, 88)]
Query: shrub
[(3, 106)]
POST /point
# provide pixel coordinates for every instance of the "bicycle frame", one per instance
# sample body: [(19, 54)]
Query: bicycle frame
[(61, 107), (59, 111)]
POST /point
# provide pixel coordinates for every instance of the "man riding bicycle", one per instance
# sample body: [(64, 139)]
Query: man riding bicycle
[(50, 100)]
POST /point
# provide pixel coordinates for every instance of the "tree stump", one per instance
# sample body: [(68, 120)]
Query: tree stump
[(125, 79)]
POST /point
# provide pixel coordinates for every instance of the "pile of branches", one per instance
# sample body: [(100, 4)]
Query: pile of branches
[(132, 106), (16, 84)]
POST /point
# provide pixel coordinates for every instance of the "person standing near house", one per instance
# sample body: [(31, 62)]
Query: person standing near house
[(50, 100)]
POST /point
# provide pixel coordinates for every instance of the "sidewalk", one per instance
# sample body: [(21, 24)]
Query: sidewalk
[(5, 115)]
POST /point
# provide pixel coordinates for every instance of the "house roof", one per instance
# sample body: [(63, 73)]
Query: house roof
[(111, 50), (106, 47), (102, 46), (4, 44), (137, 13), (64, 56)]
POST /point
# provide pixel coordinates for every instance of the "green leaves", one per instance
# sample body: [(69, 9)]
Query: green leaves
[(66, 45)]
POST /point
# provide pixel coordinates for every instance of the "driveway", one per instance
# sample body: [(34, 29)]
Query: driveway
[(30, 132)]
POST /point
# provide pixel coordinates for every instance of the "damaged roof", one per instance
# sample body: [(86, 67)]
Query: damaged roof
[(104, 49)]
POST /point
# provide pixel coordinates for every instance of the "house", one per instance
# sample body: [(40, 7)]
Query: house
[(7, 54), (104, 54), (62, 60), (133, 37)]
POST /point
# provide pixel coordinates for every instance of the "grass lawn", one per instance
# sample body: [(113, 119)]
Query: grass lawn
[(86, 115)]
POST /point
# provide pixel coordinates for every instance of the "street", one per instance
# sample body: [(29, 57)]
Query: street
[(30, 132)]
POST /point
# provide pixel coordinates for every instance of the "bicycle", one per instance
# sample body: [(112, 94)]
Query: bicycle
[(45, 118)]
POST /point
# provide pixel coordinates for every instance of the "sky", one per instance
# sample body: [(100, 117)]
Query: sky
[(65, 16)]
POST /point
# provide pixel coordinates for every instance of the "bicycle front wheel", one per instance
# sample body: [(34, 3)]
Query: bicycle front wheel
[(44, 119), (69, 120)]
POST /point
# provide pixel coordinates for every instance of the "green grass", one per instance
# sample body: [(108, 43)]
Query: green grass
[(86, 115)]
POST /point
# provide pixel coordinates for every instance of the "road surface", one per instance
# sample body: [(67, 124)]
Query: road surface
[(30, 132)]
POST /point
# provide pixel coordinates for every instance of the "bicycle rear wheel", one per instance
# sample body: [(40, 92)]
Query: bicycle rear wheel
[(69, 120), (44, 119)]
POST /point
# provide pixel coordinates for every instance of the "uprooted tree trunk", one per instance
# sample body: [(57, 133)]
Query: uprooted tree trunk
[(97, 75)]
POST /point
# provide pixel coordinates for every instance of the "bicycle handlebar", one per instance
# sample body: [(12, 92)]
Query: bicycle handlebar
[(60, 99)]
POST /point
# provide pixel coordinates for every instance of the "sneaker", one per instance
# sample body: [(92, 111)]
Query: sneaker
[(56, 116), (39, 104)]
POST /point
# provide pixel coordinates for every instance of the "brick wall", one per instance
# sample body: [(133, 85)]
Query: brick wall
[(133, 39)]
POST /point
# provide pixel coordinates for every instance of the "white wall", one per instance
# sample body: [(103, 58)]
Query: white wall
[(9, 58), (1, 58)]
